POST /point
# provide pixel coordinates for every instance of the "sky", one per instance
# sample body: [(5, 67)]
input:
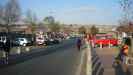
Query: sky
[(74, 11)]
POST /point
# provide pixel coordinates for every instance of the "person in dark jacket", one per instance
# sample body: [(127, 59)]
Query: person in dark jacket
[(79, 43), (1, 45), (6, 47)]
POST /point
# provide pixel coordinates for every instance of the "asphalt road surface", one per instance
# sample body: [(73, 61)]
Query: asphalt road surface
[(66, 60)]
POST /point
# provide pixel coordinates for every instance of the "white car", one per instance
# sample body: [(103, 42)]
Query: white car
[(22, 41), (3, 39)]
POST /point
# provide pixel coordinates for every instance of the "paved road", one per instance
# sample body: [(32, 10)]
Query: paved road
[(66, 60), (107, 56)]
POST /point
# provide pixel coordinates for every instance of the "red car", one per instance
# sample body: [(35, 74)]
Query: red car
[(104, 40)]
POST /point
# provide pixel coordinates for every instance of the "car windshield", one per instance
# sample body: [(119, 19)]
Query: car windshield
[(101, 37), (21, 39), (104, 37), (3, 38)]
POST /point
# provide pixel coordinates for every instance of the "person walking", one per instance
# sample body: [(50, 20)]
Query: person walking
[(79, 43), (6, 47), (122, 55)]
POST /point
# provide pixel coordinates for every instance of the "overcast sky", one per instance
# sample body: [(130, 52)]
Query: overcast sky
[(75, 11)]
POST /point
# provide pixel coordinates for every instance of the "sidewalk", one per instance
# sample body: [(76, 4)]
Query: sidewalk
[(94, 65), (107, 56)]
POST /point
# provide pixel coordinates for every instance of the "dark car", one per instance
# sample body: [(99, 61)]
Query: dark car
[(30, 42), (56, 41), (51, 41)]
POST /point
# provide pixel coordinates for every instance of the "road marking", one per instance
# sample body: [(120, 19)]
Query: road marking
[(79, 69), (94, 61), (89, 60), (95, 65), (99, 70)]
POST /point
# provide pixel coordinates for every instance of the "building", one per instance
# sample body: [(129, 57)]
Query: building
[(102, 28)]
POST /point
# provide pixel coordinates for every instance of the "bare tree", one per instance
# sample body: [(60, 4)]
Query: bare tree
[(127, 11), (31, 17), (49, 20), (127, 16), (1, 14), (82, 30), (12, 12), (94, 30), (10, 15), (52, 24), (55, 27)]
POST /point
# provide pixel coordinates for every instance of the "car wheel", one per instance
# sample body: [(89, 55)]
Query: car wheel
[(24, 44)]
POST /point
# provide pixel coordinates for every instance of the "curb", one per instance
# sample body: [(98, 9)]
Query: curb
[(94, 65), (89, 61)]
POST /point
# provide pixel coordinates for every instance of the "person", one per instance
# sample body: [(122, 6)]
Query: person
[(122, 56), (123, 52), (6, 47), (125, 49), (79, 43), (2, 50)]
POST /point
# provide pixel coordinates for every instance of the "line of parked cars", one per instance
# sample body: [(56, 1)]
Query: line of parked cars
[(40, 38), (17, 39), (20, 42), (49, 38)]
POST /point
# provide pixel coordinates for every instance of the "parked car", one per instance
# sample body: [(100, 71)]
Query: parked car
[(20, 42), (30, 42), (51, 41), (104, 40), (40, 41), (56, 41)]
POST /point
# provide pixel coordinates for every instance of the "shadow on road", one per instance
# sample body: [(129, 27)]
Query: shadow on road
[(119, 70), (13, 60)]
